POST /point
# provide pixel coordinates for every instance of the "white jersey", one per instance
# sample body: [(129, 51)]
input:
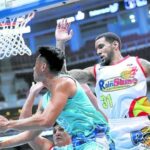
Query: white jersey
[(130, 133), (117, 87)]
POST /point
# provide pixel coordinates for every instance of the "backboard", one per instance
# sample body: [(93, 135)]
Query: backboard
[(14, 7)]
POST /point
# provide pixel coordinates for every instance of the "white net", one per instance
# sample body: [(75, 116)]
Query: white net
[(11, 35)]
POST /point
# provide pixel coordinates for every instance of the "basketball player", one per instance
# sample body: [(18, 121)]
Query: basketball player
[(67, 103), (120, 86)]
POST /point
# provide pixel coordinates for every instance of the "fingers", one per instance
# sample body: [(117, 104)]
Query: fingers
[(63, 25), (32, 15), (2, 118), (33, 83), (40, 84), (58, 25), (66, 24), (71, 33), (37, 83)]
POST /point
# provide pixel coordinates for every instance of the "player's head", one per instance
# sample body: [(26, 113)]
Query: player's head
[(110, 37), (60, 136), (50, 60), (107, 45)]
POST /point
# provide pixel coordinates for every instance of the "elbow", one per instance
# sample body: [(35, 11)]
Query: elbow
[(46, 123), (33, 135), (41, 121), (30, 137)]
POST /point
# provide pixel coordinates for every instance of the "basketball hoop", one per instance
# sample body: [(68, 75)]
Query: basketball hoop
[(11, 35)]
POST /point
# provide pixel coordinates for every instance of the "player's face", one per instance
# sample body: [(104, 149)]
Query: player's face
[(104, 50), (60, 137), (37, 74)]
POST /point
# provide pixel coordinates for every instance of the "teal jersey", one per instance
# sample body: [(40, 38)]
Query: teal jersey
[(79, 116), (67, 147)]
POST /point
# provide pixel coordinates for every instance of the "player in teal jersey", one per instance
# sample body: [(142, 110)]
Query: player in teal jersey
[(68, 104)]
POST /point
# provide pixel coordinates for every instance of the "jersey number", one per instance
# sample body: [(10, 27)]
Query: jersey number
[(106, 101)]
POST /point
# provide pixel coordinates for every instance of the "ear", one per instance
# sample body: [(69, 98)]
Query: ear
[(115, 45), (43, 67)]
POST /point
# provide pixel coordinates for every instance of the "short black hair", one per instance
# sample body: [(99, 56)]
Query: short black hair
[(110, 37), (53, 56)]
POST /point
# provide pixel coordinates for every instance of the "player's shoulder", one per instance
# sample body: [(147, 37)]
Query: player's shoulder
[(66, 81), (66, 85)]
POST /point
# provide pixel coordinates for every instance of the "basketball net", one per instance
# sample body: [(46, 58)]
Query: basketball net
[(11, 35)]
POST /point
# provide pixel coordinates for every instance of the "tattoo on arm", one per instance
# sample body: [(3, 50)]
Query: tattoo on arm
[(146, 66), (83, 76)]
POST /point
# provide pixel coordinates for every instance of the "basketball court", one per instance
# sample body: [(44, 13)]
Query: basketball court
[(17, 22)]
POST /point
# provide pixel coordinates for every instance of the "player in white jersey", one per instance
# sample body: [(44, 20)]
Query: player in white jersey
[(120, 88)]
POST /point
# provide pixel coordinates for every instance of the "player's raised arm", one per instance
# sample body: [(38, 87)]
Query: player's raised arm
[(62, 35)]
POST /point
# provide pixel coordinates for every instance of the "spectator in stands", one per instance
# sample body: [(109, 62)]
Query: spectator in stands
[(61, 139), (120, 86), (67, 103)]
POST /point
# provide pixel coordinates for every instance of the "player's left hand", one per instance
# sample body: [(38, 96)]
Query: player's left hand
[(3, 123), (63, 32)]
